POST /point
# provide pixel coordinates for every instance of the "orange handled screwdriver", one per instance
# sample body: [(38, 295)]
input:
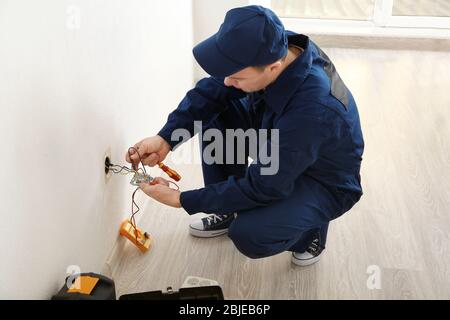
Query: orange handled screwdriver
[(170, 172)]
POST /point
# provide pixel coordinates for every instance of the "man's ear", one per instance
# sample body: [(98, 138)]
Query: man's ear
[(274, 66)]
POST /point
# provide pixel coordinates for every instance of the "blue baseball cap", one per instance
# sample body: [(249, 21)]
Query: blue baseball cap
[(249, 36)]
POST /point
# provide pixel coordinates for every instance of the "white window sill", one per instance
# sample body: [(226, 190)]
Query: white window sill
[(361, 29)]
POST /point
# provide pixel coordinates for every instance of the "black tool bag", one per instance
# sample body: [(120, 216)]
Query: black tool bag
[(104, 289), (196, 293)]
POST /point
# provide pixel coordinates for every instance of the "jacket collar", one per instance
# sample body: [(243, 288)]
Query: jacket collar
[(278, 94)]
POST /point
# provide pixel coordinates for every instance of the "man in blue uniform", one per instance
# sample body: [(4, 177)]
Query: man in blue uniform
[(263, 77)]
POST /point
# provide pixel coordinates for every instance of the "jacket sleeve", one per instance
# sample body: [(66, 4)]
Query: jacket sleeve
[(203, 103), (301, 135)]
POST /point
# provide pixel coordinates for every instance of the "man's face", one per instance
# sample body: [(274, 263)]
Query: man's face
[(250, 79)]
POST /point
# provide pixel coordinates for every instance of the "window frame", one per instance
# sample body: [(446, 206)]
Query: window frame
[(382, 24)]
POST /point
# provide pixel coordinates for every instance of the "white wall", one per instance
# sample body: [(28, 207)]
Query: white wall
[(67, 94), (208, 16)]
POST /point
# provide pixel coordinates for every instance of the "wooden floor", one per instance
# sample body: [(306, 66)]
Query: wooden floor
[(401, 225)]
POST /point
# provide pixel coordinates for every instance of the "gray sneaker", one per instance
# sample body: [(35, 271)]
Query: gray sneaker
[(211, 226), (310, 256)]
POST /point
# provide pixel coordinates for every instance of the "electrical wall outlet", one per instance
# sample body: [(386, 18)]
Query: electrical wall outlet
[(106, 161)]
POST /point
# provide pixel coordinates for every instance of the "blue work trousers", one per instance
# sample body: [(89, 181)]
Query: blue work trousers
[(289, 224)]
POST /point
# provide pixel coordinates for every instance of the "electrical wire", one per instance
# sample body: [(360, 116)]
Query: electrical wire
[(140, 159), (133, 203), (133, 213), (178, 187), (120, 169), (123, 170)]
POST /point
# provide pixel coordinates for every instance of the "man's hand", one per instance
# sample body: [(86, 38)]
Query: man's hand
[(153, 150), (160, 191)]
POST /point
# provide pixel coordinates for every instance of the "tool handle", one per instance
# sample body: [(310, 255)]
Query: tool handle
[(170, 172)]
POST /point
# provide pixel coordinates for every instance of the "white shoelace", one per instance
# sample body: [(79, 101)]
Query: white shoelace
[(214, 218), (314, 247)]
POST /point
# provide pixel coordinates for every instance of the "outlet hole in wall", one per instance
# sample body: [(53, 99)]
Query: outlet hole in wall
[(107, 164)]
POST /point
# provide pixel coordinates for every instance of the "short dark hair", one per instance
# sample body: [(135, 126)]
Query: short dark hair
[(263, 67)]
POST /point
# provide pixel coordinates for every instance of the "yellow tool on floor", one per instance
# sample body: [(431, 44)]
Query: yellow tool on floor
[(141, 239)]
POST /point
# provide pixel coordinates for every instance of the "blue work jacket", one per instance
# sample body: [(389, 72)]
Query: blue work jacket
[(319, 135)]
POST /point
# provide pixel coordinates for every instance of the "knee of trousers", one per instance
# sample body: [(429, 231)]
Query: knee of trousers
[(249, 241)]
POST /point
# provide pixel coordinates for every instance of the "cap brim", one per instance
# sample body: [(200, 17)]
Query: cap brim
[(213, 61)]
